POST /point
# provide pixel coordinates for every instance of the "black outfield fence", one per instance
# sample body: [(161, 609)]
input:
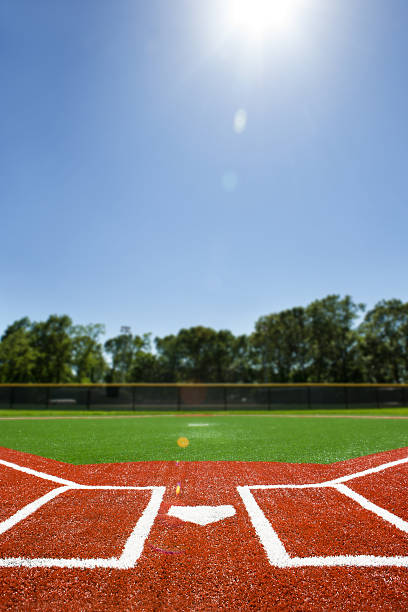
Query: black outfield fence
[(201, 396)]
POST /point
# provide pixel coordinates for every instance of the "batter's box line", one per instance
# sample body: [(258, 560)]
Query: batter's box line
[(275, 550), (134, 544)]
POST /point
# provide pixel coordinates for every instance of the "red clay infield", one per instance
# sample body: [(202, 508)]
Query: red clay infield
[(343, 546)]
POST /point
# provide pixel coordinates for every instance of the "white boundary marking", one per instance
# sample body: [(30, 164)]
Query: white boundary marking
[(133, 547), (276, 552), (42, 475)]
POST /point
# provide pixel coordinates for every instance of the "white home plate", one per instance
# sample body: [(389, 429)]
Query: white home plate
[(201, 515)]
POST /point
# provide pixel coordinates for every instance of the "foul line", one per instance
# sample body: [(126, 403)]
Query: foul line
[(335, 481)]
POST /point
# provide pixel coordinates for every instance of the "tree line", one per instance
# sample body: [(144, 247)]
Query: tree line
[(333, 339)]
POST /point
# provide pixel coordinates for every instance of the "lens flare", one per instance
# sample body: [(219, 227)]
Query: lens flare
[(257, 17), (240, 121), (183, 442)]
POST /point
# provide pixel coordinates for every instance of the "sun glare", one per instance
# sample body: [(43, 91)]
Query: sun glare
[(258, 17)]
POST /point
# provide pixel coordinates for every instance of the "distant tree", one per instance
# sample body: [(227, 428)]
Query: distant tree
[(243, 361), (145, 368), (206, 355), (88, 361), (223, 353), (316, 343), (18, 358), (333, 340), (124, 349), (52, 342), (169, 354), (23, 324), (197, 354), (384, 342), (281, 344)]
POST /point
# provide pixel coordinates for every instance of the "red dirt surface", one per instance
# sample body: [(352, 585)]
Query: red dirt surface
[(323, 522), (84, 524), (220, 566)]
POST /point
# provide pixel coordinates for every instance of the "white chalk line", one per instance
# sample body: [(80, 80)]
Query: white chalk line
[(330, 483), (276, 552), (133, 547), (42, 475), (29, 509)]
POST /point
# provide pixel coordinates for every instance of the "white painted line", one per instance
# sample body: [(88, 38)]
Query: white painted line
[(30, 509), (378, 468), (197, 424), (202, 515), (274, 548), (135, 543), (349, 561), (112, 563), (42, 475), (317, 485), (69, 483), (335, 481), (381, 512), (110, 488)]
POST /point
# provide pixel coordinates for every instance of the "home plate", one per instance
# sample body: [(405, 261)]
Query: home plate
[(201, 515)]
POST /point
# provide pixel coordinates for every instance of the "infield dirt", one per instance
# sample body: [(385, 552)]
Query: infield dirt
[(223, 565)]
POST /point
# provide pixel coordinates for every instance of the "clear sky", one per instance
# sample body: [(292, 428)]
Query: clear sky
[(172, 163)]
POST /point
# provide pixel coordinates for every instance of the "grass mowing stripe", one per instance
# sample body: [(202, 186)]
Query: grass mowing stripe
[(230, 438)]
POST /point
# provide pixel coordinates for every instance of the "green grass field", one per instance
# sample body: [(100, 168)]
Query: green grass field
[(231, 437)]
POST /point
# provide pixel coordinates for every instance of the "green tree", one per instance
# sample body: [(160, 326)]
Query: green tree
[(53, 344), (18, 357), (384, 342), (169, 357), (197, 354), (281, 344), (205, 354), (87, 353), (243, 360), (145, 368), (333, 340), (124, 349)]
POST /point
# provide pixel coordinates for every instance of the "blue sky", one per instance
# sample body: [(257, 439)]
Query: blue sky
[(128, 198)]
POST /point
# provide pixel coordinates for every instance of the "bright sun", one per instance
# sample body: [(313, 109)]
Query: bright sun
[(257, 17)]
